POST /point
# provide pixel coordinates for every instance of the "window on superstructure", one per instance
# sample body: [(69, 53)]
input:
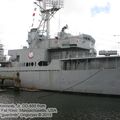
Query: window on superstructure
[(18, 58), (26, 64), (32, 64), (86, 38), (29, 64), (43, 63)]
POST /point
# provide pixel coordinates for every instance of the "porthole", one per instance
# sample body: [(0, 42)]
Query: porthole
[(32, 64), (26, 64)]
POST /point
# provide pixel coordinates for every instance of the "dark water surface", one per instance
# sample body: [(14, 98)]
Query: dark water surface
[(69, 106)]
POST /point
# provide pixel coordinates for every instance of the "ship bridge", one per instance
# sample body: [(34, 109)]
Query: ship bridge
[(68, 46), (81, 41)]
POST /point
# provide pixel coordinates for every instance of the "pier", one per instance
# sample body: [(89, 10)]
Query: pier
[(16, 81)]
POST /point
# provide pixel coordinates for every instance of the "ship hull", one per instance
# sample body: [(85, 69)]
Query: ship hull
[(103, 81)]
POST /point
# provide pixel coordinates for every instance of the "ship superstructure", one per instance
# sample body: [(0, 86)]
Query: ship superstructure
[(2, 56), (62, 63)]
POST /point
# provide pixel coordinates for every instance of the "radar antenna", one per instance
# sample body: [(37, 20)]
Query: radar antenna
[(47, 10)]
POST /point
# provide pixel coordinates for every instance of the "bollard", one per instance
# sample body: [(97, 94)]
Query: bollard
[(17, 82)]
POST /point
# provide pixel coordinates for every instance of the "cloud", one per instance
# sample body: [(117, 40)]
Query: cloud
[(95, 17), (100, 9)]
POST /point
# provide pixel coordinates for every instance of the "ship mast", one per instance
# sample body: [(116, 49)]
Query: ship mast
[(47, 9)]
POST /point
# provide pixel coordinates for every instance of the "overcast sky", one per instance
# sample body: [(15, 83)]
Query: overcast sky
[(99, 18)]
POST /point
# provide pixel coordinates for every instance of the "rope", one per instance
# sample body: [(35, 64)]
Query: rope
[(81, 82), (78, 83)]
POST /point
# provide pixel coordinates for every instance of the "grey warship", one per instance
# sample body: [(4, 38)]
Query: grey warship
[(65, 63)]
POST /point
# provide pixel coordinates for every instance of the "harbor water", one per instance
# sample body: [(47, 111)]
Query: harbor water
[(69, 106)]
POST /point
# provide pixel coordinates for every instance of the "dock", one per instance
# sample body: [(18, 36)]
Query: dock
[(16, 81)]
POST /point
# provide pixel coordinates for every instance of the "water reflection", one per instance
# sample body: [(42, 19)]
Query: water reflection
[(70, 106)]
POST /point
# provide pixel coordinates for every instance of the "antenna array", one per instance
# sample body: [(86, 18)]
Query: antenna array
[(54, 3)]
